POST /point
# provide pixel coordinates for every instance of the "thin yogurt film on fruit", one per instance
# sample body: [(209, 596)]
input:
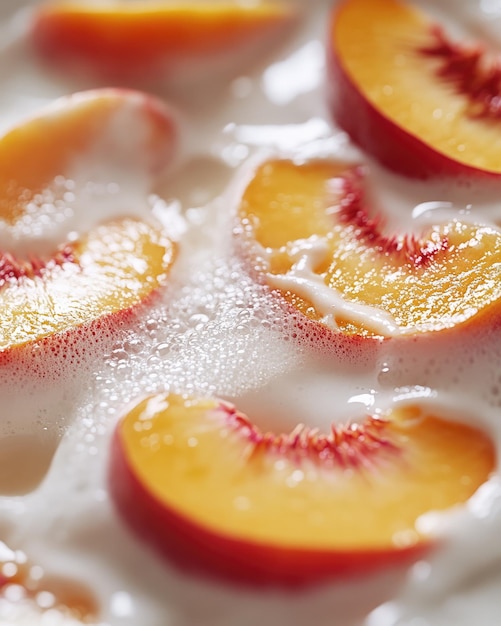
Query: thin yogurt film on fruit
[(239, 430), (313, 237)]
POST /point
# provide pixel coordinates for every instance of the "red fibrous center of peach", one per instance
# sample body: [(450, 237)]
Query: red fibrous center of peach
[(12, 269), (346, 446), (471, 71), (354, 212)]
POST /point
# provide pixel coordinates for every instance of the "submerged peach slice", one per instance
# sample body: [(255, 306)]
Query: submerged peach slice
[(30, 595), (421, 103), (308, 232), (138, 39), (199, 481), (115, 128), (118, 263)]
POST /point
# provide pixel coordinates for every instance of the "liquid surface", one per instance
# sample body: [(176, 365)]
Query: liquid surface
[(215, 332)]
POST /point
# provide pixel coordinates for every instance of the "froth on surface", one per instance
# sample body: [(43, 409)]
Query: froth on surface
[(214, 330)]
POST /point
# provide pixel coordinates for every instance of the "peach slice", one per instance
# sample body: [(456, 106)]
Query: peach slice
[(88, 126), (405, 92), (211, 491), (308, 233), (26, 587), (115, 265), (140, 40)]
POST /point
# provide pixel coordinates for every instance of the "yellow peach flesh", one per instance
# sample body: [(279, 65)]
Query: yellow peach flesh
[(378, 45), (193, 460), (116, 265), (114, 268), (285, 203), (34, 153)]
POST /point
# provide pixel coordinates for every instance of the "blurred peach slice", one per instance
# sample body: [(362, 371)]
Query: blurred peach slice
[(29, 595), (121, 260), (308, 232), (119, 128), (152, 40), (213, 493), (421, 102)]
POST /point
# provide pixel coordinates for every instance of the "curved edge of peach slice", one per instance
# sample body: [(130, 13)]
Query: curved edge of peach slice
[(116, 265), (138, 40), (113, 269), (409, 95), (307, 232), (214, 494), (68, 601), (88, 125)]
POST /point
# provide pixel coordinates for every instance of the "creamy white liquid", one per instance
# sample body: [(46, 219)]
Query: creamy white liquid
[(216, 332)]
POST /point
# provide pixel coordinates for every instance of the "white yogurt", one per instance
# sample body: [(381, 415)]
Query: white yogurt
[(215, 331)]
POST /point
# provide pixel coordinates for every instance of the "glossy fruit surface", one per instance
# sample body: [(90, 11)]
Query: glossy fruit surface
[(420, 102), (308, 231), (116, 266), (213, 492), (120, 262)]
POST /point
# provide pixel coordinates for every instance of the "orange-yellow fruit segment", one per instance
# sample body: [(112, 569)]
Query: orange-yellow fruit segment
[(310, 234), (115, 265), (113, 268), (78, 127), (382, 47), (361, 491), (130, 38), (23, 584)]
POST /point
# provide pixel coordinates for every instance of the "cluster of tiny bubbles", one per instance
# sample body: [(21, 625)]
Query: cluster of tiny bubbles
[(43, 386), (47, 389), (219, 333), (43, 209)]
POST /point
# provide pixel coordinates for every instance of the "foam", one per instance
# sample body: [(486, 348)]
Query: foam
[(214, 329)]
